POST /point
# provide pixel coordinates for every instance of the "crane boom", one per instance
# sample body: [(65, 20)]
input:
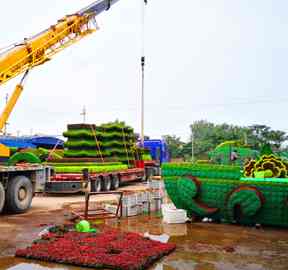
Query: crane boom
[(38, 49)]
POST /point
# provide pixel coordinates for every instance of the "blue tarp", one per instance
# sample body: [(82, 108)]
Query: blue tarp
[(46, 141), (18, 142), (32, 142)]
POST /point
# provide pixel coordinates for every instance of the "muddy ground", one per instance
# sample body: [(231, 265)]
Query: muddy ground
[(200, 246)]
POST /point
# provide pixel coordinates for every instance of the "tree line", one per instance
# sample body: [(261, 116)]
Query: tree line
[(206, 136)]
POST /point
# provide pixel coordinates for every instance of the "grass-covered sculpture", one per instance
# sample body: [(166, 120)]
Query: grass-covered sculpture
[(23, 157), (33, 155), (222, 153), (220, 193)]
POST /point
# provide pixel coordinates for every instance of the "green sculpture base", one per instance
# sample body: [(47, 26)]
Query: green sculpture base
[(246, 201)]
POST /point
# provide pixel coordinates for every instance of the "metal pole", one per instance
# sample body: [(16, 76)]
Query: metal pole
[(142, 102), (192, 145), (144, 3), (84, 112)]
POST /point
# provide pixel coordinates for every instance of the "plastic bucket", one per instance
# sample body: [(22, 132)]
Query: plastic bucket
[(171, 215)]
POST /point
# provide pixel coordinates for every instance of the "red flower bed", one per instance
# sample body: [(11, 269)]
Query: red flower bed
[(109, 248)]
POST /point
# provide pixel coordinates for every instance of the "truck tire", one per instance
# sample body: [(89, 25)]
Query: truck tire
[(96, 185), (2, 197), (19, 194), (106, 183), (115, 182)]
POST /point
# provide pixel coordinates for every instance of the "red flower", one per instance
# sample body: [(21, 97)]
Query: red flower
[(111, 248)]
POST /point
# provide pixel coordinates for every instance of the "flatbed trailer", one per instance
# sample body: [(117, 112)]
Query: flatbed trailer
[(19, 183), (94, 182)]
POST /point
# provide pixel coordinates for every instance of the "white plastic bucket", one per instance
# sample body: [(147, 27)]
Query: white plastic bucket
[(173, 215)]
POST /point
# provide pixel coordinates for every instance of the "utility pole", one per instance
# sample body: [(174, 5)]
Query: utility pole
[(143, 5), (192, 145), (84, 113), (245, 138)]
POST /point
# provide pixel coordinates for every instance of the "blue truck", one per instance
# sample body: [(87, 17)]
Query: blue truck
[(159, 152)]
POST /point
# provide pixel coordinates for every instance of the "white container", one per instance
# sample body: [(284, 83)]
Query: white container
[(157, 194), (155, 205), (156, 184), (146, 196), (130, 211), (146, 207), (129, 199), (140, 209), (127, 211), (112, 208), (139, 197), (172, 215)]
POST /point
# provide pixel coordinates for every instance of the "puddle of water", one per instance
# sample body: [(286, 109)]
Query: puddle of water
[(32, 266), (12, 263), (178, 265), (200, 246)]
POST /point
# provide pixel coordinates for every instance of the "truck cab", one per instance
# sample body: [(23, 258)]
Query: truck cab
[(159, 153)]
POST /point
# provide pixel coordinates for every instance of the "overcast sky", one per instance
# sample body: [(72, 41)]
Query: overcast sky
[(223, 61)]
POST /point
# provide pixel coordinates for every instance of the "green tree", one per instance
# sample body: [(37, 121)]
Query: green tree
[(259, 135), (175, 145), (207, 135)]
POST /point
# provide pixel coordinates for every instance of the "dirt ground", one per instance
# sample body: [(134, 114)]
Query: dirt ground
[(200, 246)]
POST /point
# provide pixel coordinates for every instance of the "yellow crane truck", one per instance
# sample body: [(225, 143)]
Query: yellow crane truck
[(19, 183)]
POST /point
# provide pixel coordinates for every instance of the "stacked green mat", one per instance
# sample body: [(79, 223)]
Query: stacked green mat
[(92, 167), (112, 140), (233, 199)]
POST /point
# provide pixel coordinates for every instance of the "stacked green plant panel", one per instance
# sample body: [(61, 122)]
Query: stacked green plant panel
[(118, 140), (209, 191), (112, 140), (81, 141), (92, 168)]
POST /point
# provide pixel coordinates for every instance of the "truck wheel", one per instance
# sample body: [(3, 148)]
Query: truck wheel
[(2, 197), (115, 182), (96, 185), (19, 194), (106, 183)]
